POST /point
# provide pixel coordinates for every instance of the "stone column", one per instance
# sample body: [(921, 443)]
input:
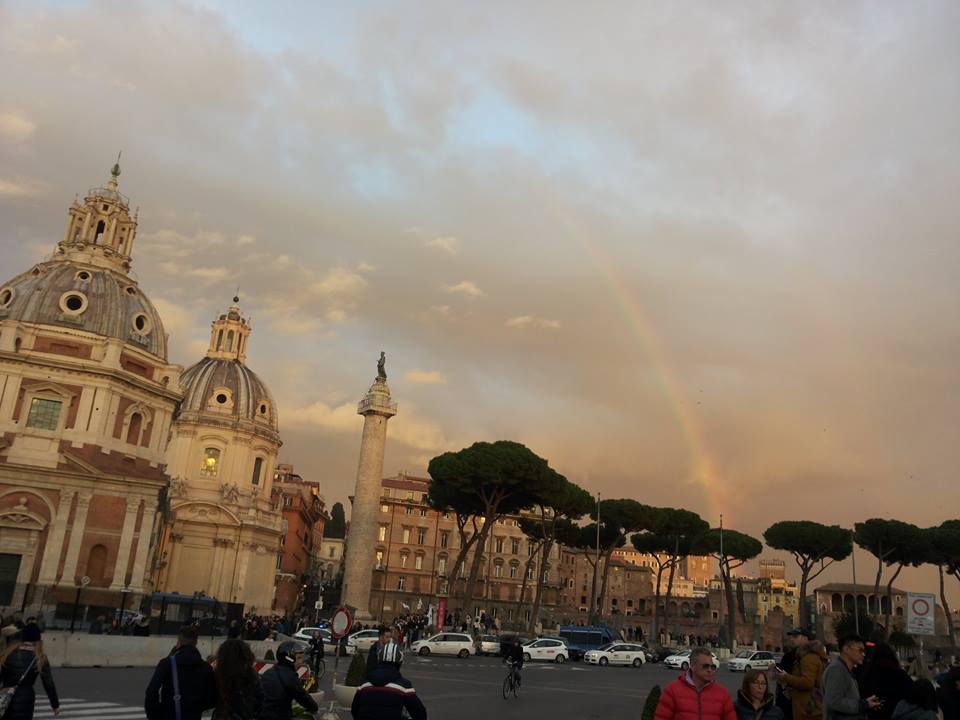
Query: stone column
[(143, 546), (126, 542), (76, 538), (53, 548), (376, 409)]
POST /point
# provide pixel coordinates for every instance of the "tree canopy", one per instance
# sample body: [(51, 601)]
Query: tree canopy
[(731, 549), (337, 527)]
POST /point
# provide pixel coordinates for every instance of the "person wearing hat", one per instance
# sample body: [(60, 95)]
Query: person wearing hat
[(387, 693), (20, 664), (802, 678)]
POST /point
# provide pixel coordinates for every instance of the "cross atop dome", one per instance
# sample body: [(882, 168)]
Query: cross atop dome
[(229, 334)]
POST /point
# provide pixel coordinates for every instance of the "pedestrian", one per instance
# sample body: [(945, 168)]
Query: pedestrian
[(20, 664), (754, 699), (841, 696), (281, 686), (387, 694), (184, 674), (96, 627), (696, 695), (385, 636), (315, 650), (233, 630), (919, 704), (948, 694), (803, 678), (882, 676), (239, 693)]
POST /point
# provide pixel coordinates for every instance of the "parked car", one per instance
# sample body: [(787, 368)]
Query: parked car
[(751, 660), (362, 641), (488, 645), (306, 634), (616, 654), (506, 642), (681, 660), (653, 655), (546, 649), (459, 644), (575, 653)]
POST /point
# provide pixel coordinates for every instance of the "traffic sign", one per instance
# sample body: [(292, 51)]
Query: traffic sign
[(341, 622), (920, 613)]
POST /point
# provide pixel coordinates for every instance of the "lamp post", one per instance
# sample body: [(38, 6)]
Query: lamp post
[(124, 594)]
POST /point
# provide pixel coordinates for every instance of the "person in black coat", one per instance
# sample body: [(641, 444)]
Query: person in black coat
[(198, 691), (882, 676), (25, 659), (386, 694), (281, 686), (373, 655), (948, 694)]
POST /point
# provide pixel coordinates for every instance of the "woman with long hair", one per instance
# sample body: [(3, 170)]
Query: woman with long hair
[(919, 704), (754, 700), (20, 664), (239, 695)]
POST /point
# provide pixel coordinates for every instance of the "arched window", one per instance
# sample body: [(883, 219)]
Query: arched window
[(135, 428), (230, 341), (97, 564), (219, 339), (211, 462), (836, 603), (257, 470), (101, 226)]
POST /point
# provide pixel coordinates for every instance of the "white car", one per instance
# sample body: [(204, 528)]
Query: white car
[(751, 660), (306, 634), (362, 641), (616, 654), (681, 660), (459, 644), (546, 649), (488, 645)]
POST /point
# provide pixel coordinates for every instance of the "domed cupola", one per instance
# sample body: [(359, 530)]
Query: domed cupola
[(85, 286), (221, 389)]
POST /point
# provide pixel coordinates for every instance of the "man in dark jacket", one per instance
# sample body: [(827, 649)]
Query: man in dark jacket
[(948, 694), (281, 686), (373, 656), (198, 689), (386, 694)]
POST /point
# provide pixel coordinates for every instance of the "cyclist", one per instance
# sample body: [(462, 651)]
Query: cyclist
[(281, 686), (316, 651), (387, 694), (514, 657)]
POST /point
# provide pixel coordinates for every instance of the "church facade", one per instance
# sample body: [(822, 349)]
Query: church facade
[(122, 474)]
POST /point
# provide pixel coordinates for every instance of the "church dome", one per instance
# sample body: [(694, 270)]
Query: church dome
[(221, 387), (84, 297)]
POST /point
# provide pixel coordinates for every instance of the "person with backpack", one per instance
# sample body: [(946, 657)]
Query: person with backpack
[(803, 679), (239, 693), (182, 686), (281, 686)]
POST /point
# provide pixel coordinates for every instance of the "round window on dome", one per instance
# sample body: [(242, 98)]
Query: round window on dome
[(83, 276), (141, 324), (263, 409), (73, 303), (6, 297), (222, 398), (131, 290)]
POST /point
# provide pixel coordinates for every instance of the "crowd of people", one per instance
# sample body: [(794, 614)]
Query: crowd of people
[(862, 683)]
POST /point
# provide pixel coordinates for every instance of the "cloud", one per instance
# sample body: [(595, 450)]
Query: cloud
[(21, 187), (15, 128), (339, 281), (205, 273), (246, 240), (365, 267), (464, 287), (425, 377), (524, 321), (446, 243)]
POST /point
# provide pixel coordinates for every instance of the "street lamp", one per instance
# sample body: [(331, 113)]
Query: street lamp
[(124, 594)]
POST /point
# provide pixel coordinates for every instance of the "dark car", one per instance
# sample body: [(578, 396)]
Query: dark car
[(653, 654), (506, 642)]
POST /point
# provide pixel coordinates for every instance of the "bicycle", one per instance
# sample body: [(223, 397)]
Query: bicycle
[(511, 683)]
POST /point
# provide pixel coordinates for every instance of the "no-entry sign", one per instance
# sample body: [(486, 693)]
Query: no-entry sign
[(920, 613), (341, 623)]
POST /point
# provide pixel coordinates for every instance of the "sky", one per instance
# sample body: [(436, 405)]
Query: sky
[(699, 254)]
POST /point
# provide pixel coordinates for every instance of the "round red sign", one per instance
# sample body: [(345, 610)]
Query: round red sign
[(341, 622)]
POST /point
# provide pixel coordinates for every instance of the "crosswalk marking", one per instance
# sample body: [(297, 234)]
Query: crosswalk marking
[(75, 708)]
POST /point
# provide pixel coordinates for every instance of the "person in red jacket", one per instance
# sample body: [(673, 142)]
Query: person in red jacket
[(695, 695)]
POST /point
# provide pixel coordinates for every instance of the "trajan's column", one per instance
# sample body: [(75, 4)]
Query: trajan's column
[(376, 409)]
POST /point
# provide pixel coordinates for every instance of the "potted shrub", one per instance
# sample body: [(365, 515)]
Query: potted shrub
[(356, 676)]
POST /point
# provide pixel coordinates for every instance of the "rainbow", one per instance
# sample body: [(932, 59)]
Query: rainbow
[(703, 470)]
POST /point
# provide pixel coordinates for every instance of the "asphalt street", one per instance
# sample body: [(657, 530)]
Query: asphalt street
[(450, 688)]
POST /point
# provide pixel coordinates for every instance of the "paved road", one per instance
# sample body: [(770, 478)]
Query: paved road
[(451, 689)]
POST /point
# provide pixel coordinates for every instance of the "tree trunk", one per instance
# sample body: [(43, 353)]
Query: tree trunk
[(593, 587), (465, 545), (731, 613), (655, 627), (538, 594), (876, 587), (606, 577), (946, 610), (889, 610), (489, 520), (804, 609), (523, 585), (666, 601)]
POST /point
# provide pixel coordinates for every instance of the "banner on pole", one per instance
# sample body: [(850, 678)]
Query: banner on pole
[(920, 613)]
